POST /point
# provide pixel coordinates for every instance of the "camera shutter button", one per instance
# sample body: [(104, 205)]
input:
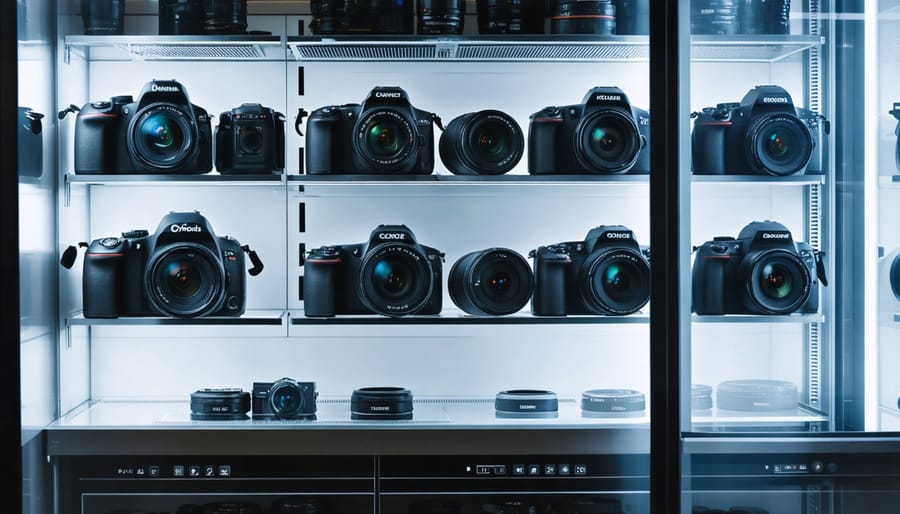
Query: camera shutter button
[(719, 248), (100, 105), (109, 242)]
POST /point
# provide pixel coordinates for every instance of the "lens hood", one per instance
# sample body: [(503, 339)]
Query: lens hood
[(529, 403), (220, 404), (381, 403)]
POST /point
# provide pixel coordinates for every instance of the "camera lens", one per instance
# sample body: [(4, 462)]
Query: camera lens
[(776, 281), (511, 16), (481, 143), (608, 141), (385, 140), (492, 282), (250, 139), (895, 276), (329, 16), (441, 16), (764, 16), (380, 16), (181, 17), (225, 17), (103, 17), (584, 17), (779, 144), (381, 403), (286, 399), (185, 280), (632, 17), (718, 17), (161, 137), (615, 281), (395, 279)]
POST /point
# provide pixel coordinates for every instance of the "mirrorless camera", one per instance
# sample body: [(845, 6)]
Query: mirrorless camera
[(391, 274), (285, 398), (383, 135), (763, 271), (182, 270), (606, 274), (250, 139), (764, 134), (604, 134), (162, 132)]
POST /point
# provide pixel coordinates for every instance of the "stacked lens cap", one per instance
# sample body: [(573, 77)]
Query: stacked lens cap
[(536, 403), (373, 403)]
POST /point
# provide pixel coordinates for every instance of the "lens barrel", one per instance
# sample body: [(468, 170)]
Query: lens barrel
[(775, 281), (511, 16), (486, 142), (526, 403), (103, 17), (441, 16), (615, 281), (764, 16), (584, 17), (225, 17), (756, 395), (385, 140), (185, 280), (608, 141), (612, 401), (395, 279), (220, 404), (181, 17), (779, 144), (715, 17), (492, 282)]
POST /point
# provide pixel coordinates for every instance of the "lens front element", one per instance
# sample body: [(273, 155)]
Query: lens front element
[(615, 282), (185, 280), (385, 140), (779, 144), (607, 141), (161, 137), (285, 399), (395, 279), (776, 281), (493, 282)]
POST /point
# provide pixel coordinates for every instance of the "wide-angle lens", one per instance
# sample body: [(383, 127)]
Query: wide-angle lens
[(615, 281), (395, 279), (779, 144), (491, 282), (185, 280), (776, 281), (482, 143), (608, 141)]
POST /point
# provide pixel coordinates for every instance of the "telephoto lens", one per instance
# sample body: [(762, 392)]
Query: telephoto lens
[(511, 16), (103, 17), (441, 16), (584, 17), (714, 17), (486, 142), (764, 16), (181, 17), (492, 282), (224, 17)]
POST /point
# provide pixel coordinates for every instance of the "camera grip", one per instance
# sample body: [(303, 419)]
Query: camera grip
[(541, 136), (101, 286), (549, 298), (708, 284), (319, 287)]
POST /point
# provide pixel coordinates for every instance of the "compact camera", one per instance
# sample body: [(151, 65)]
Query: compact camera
[(391, 274), (763, 271), (764, 134), (604, 134), (250, 139), (182, 270), (285, 398), (606, 274), (383, 135), (162, 132)]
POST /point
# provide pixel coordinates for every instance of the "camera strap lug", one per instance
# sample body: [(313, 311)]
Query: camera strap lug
[(65, 112), (301, 113), (820, 267), (257, 267), (70, 255), (437, 121)]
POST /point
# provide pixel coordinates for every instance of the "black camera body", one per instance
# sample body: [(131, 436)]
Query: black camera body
[(285, 398), (764, 134), (383, 135), (762, 271), (391, 274), (31, 143), (604, 134), (182, 270), (161, 132), (250, 139), (606, 274)]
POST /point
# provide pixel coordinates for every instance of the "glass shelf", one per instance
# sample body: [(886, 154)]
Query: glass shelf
[(176, 48), (177, 179), (457, 317), (765, 180), (716, 420), (750, 318), (252, 317), (373, 179), (766, 48)]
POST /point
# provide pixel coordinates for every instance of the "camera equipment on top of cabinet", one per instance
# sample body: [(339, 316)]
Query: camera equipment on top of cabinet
[(511, 16), (729, 17), (285, 398), (604, 134), (491, 282), (764, 134), (383, 135), (385, 403), (606, 274), (391, 274), (441, 16), (335, 17), (530, 403), (487, 142), (632, 17), (583, 17), (102, 18), (220, 404), (161, 132), (31, 143), (182, 270), (198, 17), (763, 271), (250, 139)]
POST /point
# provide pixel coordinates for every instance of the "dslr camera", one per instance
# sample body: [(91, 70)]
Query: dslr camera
[(763, 271), (383, 135), (391, 274), (162, 132), (182, 270), (764, 134), (606, 274), (604, 134), (250, 139), (285, 398)]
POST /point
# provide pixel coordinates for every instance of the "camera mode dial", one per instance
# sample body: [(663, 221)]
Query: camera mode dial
[(110, 242), (134, 234)]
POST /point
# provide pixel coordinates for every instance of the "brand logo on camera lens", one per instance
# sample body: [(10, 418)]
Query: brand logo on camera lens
[(164, 89), (184, 227), (608, 98), (383, 408), (527, 406), (391, 236), (618, 235), (777, 235), (388, 94), (775, 100)]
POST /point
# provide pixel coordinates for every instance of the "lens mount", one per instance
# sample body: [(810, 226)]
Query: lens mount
[(607, 141), (486, 142), (249, 138), (395, 279), (779, 144), (385, 139), (162, 136), (615, 281), (775, 281), (286, 399), (492, 282), (185, 280)]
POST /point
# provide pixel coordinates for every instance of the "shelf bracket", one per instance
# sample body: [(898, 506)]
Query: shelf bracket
[(67, 53)]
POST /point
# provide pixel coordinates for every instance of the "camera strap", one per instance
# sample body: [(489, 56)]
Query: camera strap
[(437, 121), (301, 113), (257, 267), (65, 112), (820, 267), (70, 255)]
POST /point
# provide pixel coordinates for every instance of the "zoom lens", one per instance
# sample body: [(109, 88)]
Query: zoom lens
[(779, 144), (717, 17), (482, 143), (584, 17), (492, 282), (161, 137), (608, 141), (615, 281), (775, 281), (185, 280), (286, 399), (225, 17), (511, 16), (385, 140), (395, 280), (441, 16)]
